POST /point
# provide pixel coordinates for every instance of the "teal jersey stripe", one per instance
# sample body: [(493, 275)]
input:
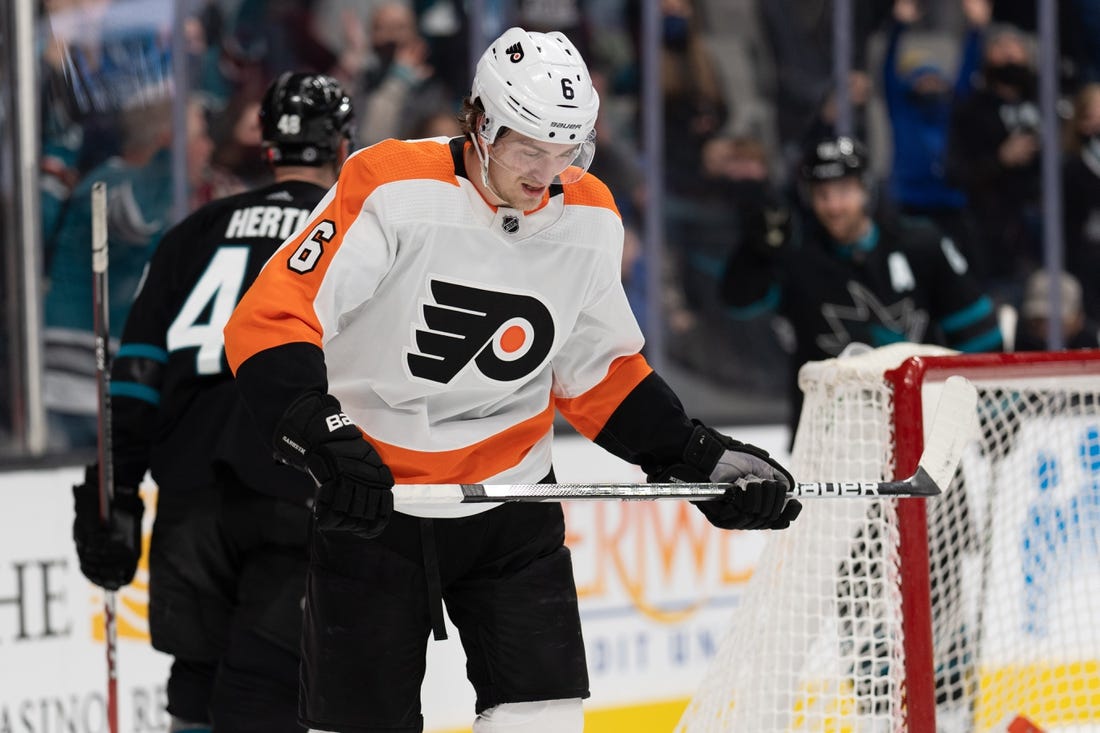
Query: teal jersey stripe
[(968, 316), (987, 341), (712, 266), (135, 390), (866, 243), (757, 308), (882, 336), (142, 351)]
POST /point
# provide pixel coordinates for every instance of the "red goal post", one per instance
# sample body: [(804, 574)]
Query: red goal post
[(946, 614)]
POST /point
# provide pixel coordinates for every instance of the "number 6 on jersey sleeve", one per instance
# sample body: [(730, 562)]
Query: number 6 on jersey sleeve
[(312, 247)]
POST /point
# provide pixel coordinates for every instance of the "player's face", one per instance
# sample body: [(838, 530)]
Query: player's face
[(841, 207), (521, 168)]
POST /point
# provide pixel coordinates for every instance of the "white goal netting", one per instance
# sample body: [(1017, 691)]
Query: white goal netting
[(1013, 550)]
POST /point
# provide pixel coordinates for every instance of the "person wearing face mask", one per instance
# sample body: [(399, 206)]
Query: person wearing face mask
[(1079, 331), (919, 97), (399, 88), (695, 104), (993, 155), (1081, 188)]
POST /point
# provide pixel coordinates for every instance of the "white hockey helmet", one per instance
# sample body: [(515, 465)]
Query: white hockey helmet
[(538, 85)]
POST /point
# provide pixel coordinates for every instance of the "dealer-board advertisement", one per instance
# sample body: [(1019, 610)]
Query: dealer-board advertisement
[(656, 586)]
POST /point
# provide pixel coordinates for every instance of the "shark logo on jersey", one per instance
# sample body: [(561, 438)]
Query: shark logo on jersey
[(869, 321), (506, 336)]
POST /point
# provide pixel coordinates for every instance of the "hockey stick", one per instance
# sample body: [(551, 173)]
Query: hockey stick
[(952, 427), (103, 448)]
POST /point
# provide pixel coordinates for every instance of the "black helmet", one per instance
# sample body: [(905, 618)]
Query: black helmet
[(834, 157), (304, 117)]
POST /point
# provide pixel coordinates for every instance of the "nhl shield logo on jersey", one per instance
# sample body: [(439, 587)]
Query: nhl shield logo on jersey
[(510, 224), (515, 53), (506, 336)]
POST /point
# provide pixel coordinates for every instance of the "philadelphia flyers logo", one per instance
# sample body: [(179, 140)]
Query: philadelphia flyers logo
[(515, 52), (506, 336)]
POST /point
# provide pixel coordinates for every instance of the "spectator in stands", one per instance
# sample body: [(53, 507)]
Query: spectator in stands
[(1032, 327), (398, 89), (240, 148), (445, 26), (1086, 21), (139, 202), (439, 124), (823, 123), (566, 16), (273, 35), (737, 188), (800, 35), (208, 72), (616, 164), (993, 155), (849, 274), (99, 59), (1081, 189), (266, 37), (1078, 22), (695, 107), (62, 133), (94, 59), (919, 96)]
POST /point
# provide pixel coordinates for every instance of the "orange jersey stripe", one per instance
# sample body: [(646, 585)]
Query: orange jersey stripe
[(469, 464), (278, 308), (589, 412), (590, 191)]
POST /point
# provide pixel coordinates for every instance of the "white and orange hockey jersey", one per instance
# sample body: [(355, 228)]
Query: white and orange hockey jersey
[(450, 330)]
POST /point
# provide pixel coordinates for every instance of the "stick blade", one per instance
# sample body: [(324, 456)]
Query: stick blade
[(954, 424)]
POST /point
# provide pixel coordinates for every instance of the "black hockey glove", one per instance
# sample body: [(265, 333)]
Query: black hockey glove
[(108, 552), (767, 228), (354, 486), (759, 502)]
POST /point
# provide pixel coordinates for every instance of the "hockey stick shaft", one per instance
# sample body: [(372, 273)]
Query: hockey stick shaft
[(952, 427), (102, 333), (413, 494)]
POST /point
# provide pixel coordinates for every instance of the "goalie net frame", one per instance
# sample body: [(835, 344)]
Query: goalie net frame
[(907, 382), (901, 372)]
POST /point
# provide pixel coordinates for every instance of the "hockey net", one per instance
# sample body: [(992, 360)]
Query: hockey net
[(959, 613)]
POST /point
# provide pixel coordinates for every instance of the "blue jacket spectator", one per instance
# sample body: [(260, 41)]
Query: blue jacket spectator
[(919, 101)]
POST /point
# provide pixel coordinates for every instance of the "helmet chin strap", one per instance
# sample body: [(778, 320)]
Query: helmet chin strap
[(483, 158)]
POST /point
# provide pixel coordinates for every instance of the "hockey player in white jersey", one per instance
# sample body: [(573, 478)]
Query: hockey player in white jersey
[(446, 299)]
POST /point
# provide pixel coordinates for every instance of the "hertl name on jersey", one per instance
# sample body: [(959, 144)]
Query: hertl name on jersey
[(273, 222)]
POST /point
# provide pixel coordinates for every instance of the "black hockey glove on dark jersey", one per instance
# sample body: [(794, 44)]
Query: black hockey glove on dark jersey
[(108, 551), (354, 486), (759, 502), (766, 228)]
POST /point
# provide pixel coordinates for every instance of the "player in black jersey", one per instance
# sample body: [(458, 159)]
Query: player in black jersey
[(228, 555), (842, 274)]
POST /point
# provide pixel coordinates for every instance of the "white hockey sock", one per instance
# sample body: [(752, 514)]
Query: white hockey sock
[(186, 726), (541, 716)]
